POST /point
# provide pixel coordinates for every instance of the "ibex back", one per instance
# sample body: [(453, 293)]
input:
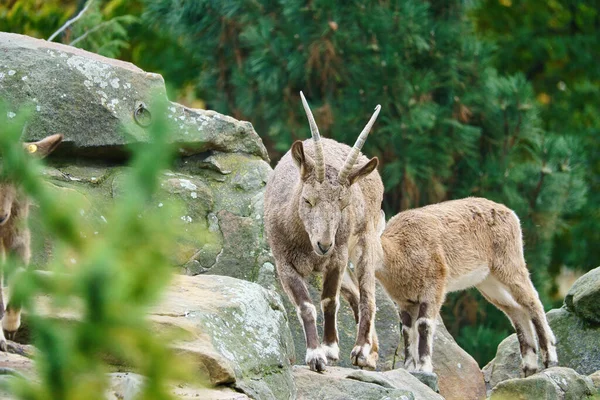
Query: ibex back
[(14, 233), (453, 246), (320, 212)]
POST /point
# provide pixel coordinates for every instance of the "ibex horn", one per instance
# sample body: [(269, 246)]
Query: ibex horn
[(355, 151), (314, 131)]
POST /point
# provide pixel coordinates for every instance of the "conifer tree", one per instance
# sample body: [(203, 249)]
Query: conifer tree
[(450, 126)]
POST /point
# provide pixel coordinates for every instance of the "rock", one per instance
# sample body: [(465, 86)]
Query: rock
[(14, 364), (234, 328), (584, 296), (91, 100), (428, 378), (18, 363), (342, 383), (402, 378), (553, 383), (235, 332), (459, 376), (127, 386), (595, 377), (576, 347), (220, 226)]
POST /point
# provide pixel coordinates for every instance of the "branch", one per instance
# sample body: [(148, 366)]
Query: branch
[(69, 22), (94, 29)]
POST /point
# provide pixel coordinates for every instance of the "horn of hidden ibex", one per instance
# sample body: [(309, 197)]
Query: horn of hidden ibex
[(322, 209), (14, 234), (452, 246)]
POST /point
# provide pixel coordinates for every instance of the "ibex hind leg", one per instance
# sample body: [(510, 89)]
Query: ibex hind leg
[(498, 294), (408, 316), (2, 338), (425, 328), (525, 294)]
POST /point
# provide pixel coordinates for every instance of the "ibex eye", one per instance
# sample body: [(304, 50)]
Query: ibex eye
[(308, 202)]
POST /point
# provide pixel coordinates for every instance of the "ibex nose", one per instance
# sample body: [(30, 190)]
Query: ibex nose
[(3, 218), (324, 247)]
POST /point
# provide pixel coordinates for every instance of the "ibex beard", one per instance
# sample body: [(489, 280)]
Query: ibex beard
[(322, 211), (15, 237)]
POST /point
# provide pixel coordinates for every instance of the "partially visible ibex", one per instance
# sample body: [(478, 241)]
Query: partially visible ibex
[(14, 233), (453, 246), (321, 212)]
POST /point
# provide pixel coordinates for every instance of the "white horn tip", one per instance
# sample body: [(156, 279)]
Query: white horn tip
[(376, 108)]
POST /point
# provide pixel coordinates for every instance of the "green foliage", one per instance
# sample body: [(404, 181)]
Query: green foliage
[(120, 269), (450, 126), (556, 45)]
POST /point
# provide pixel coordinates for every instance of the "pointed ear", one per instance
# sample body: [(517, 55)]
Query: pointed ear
[(43, 147), (305, 164), (363, 171)]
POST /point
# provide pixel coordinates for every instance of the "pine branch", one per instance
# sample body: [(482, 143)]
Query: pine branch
[(94, 29), (71, 21)]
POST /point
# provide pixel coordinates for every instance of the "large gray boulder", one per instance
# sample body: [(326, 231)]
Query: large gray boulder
[(584, 297), (552, 384), (217, 181), (92, 99), (459, 376), (342, 383), (234, 332)]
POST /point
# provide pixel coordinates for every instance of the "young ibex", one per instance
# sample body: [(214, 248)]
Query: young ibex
[(14, 233), (321, 212), (453, 246)]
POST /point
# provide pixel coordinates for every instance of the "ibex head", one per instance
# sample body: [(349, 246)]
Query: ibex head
[(326, 193), (8, 189)]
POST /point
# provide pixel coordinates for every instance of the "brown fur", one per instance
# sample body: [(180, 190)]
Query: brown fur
[(454, 245), (14, 234), (300, 213)]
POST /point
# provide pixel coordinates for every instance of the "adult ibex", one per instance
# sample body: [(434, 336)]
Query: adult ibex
[(453, 246), (14, 233), (320, 212)]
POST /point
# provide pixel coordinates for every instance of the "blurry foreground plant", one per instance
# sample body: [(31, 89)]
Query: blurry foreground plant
[(119, 272)]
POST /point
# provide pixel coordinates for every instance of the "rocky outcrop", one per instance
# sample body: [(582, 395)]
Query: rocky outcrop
[(552, 384), (128, 386), (342, 383), (93, 100), (458, 373), (584, 297), (216, 183), (217, 180), (235, 332)]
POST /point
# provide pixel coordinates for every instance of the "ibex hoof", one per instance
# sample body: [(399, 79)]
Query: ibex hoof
[(11, 321), (550, 364), (362, 356), (316, 360), (332, 351)]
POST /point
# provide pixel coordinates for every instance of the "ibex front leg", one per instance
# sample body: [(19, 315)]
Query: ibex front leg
[(330, 304), (295, 287), (365, 352), (2, 262), (11, 320)]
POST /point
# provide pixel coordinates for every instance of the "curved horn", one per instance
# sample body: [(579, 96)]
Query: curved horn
[(314, 131), (355, 151)]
